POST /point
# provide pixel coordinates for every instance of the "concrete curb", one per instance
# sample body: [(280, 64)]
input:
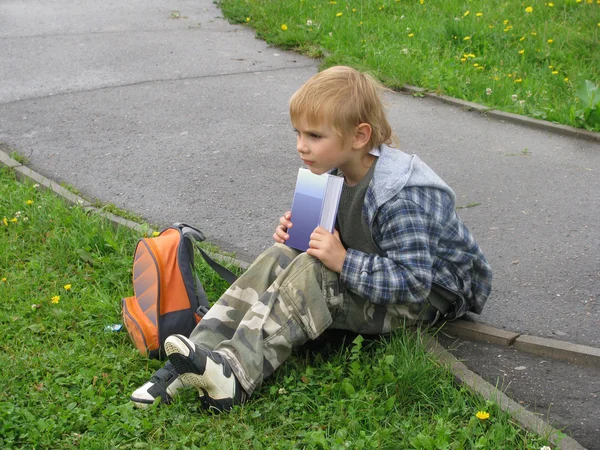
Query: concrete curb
[(551, 348), (475, 331), (525, 418), (509, 117)]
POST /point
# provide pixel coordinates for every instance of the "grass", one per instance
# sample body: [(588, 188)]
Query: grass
[(537, 58), (66, 380)]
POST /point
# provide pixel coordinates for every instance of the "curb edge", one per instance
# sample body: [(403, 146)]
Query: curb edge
[(582, 355), (545, 125)]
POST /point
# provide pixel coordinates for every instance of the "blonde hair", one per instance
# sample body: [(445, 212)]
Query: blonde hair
[(343, 98)]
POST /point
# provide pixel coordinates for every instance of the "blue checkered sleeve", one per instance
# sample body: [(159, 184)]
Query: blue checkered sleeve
[(407, 231)]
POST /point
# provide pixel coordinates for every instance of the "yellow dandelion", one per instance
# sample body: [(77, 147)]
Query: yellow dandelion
[(155, 233), (29, 202), (522, 38), (490, 26), (14, 220), (56, 299), (67, 287), (533, 33), (470, 55), (353, 9), (5, 222), (482, 415), (550, 67), (463, 59), (339, 14), (284, 27), (466, 13), (505, 21), (480, 68), (411, 34), (566, 80), (4, 279), (247, 19), (467, 38), (333, 3), (555, 72), (422, 2), (529, 9), (550, 41), (550, 4), (475, 65), (479, 14), (519, 80), (521, 52)]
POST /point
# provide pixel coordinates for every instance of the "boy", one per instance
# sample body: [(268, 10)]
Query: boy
[(399, 254)]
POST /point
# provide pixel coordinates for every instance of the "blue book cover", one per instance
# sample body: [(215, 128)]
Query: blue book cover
[(316, 200)]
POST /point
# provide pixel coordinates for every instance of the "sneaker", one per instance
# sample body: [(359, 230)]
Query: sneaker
[(164, 384), (207, 371)]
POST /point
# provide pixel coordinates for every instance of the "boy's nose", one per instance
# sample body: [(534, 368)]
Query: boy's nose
[(300, 146)]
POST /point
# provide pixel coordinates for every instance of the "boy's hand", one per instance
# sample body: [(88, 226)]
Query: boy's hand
[(280, 234), (328, 248)]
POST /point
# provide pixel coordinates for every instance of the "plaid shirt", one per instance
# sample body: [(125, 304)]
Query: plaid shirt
[(421, 240)]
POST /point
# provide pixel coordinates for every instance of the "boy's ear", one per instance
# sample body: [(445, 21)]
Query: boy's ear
[(362, 135)]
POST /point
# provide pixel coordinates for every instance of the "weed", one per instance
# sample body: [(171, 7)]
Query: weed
[(72, 189), (588, 96), (111, 208), (19, 158), (469, 205)]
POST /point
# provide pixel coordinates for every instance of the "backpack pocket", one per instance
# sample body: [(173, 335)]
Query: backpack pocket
[(142, 331)]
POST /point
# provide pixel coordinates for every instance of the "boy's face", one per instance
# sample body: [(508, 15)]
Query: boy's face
[(321, 148)]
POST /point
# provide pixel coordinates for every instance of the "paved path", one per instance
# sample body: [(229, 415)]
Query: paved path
[(166, 110)]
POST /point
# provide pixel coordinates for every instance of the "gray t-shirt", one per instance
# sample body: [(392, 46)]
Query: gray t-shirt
[(352, 225)]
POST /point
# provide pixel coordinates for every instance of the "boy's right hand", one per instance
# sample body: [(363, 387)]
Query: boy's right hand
[(280, 234)]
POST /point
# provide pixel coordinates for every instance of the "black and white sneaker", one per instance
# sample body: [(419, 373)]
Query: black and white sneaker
[(164, 384), (207, 371)]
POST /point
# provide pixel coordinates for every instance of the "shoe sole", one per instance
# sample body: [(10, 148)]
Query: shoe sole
[(178, 353), (140, 404)]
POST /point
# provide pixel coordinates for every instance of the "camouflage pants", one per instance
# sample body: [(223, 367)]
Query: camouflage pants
[(284, 299)]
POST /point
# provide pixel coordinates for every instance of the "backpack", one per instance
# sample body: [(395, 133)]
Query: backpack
[(169, 297)]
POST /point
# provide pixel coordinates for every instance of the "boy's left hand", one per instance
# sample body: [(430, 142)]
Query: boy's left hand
[(328, 248)]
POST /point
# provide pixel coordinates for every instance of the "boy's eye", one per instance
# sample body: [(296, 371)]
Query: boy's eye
[(313, 135)]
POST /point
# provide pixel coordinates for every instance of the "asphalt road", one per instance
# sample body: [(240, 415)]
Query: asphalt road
[(166, 110)]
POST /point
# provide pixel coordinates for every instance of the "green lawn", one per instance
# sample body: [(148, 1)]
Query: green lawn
[(66, 380), (536, 58)]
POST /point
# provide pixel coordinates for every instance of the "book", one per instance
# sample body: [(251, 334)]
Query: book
[(316, 201)]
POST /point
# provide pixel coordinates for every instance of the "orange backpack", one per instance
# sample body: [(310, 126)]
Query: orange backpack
[(169, 297)]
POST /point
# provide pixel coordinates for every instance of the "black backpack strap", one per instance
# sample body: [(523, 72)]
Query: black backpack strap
[(226, 274)]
